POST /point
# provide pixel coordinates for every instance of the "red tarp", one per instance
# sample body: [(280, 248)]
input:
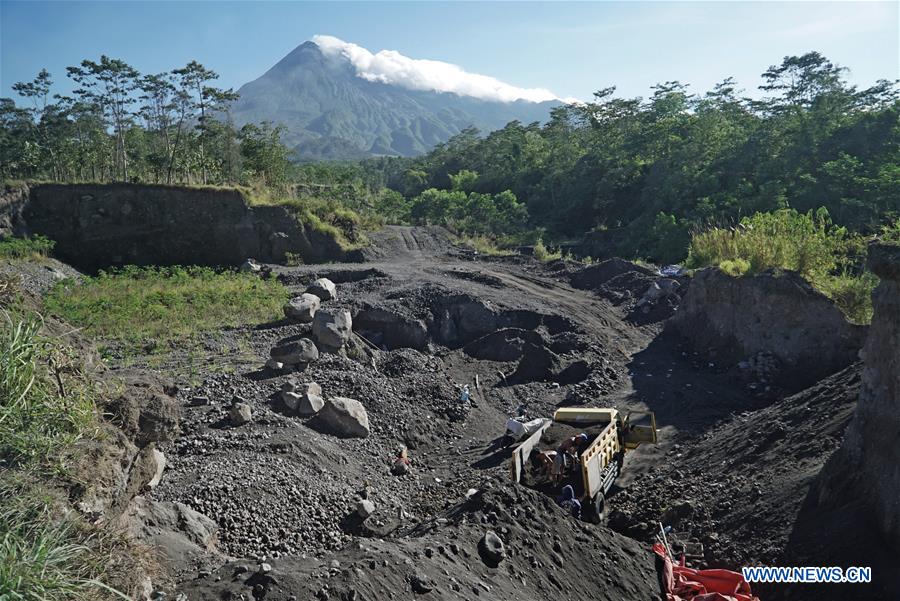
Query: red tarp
[(687, 584)]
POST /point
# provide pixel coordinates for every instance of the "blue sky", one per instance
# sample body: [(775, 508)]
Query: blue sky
[(571, 49)]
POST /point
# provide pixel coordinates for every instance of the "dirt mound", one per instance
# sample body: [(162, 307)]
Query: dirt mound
[(545, 555), (733, 319), (595, 277), (738, 488), (394, 242)]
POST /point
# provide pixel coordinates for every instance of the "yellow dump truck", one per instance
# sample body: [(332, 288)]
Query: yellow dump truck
[(609, 437)]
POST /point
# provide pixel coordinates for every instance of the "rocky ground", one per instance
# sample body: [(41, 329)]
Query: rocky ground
[(295, 512)]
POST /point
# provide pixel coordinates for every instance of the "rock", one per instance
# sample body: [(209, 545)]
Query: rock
[(674, 515), (400, 468), (199, 401), (662, 288), (306, 399), (864, 470), (179, 532), (365, 508), (421, 583), (323, 288), (274, 365), (393, 329), (160, 461), (310, 404), (290, 399), (303, 308), (491, 549), (332, 330), (344, 417), (240, 414), (145, 409), (310, 388), (293, 353), (251, 266)]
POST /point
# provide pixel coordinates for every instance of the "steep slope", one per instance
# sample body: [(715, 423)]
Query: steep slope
[(331, 113)]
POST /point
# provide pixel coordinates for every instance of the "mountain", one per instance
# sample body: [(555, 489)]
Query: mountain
[(330, 112)]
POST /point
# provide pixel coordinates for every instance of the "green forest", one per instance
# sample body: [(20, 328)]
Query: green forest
[(679, 176)]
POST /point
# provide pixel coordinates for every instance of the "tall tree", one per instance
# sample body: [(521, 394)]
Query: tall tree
[(109, 83)]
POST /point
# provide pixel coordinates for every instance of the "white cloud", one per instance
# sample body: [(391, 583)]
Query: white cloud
[(391, 67)]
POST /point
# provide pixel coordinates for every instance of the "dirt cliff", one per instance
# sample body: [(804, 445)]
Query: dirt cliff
[(867, 466), (97, 226), (776, 317)]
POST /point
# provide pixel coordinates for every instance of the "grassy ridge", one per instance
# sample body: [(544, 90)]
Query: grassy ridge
[(829, 257), (329, 217)]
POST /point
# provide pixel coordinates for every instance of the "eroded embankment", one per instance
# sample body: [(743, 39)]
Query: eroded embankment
[(773, 321), (96, 226)]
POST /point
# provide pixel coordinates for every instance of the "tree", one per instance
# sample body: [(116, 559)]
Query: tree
[(109, 83), (38, 92), (207, 99)]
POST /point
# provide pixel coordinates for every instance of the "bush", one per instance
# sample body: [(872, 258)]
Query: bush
[(806, 243), (543, 254), (165, 304), (485, 245), (852, 293), (35, 248), (785, 239), (667, 240)]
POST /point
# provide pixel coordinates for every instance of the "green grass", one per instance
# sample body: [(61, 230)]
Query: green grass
[(328, 217), (35, 248), (44, 402), (787, 240), (48, 555), (165, 304), (485, 245)]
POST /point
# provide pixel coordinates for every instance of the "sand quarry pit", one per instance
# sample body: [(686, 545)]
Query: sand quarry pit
[(287, 506)]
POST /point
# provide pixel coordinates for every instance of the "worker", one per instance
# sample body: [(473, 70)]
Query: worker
[(464, 395), (401, 463), (568, 501), (567, 448), (544, 461)]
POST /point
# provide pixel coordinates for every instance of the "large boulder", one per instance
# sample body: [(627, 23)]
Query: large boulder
[(251, 266), (294, 353), (144, 407), (240, 414), (344, 417), (491, 549), (303, 308), (181, 534), (323, 288), (332, 330)]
